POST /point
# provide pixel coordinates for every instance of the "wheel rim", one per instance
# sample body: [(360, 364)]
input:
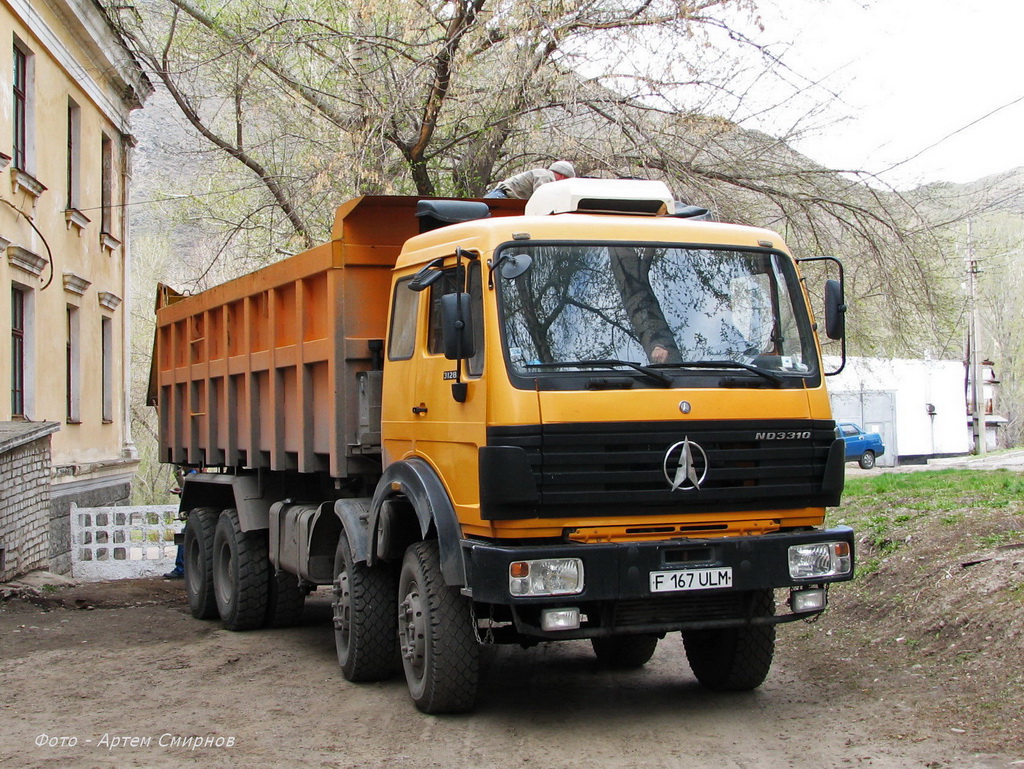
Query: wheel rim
[(225, 573), (342, 609), (193, 566), (412, 628)]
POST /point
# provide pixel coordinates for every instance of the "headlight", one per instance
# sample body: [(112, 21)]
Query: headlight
[(822, 559), (546, 576)]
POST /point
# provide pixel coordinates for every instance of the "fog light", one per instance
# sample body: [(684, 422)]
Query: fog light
[(546, 576), (821, 559), (560, 619), (801, 601)]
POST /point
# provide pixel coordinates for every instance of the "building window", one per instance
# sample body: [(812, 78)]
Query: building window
[(107, 337), (22, 351), (22, 108), (18, 328), (21, 92), (107, 185), (74, 160), (73, 368)]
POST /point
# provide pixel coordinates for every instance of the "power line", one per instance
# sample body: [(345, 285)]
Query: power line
[(954, 133), (183, 196)]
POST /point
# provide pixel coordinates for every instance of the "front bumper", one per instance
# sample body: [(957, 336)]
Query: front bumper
[(616, 597)]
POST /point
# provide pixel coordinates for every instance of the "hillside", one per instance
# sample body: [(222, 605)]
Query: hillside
[(934, 620)]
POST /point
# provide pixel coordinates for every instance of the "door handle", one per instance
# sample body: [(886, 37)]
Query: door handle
[(421, 409)]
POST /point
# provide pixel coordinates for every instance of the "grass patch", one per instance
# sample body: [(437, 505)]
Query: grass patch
[(1001, 538), (931, 491), (884, 509), (1000, 485)]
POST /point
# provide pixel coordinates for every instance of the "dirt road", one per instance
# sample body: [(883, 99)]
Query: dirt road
[(124, 677)]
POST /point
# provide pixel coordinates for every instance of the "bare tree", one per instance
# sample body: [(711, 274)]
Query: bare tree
[(312, 102)]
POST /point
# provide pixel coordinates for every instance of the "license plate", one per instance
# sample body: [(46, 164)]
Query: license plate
[(690, 579)]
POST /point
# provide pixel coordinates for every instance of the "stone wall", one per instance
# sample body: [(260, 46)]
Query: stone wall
[(24, 497)]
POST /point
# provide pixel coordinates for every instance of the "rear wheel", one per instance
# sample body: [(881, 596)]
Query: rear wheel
[(867, 460), (364, 616), (440, 654), (734, 659), (626, 651), (241, 578), (199, 532)]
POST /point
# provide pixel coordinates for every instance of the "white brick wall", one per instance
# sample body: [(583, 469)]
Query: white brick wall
[(25, 507)]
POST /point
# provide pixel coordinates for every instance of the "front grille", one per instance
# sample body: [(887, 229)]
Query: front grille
[(613, 468)]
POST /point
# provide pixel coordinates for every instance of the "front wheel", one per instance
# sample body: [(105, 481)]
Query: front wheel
[(365, 630), (734, 659), (867, 460), (440, 654), (241, 574)]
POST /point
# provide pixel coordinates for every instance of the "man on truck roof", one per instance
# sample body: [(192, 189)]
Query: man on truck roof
[(522, 186)]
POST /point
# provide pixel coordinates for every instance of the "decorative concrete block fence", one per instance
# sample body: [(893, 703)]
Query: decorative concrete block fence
[(123, 542)]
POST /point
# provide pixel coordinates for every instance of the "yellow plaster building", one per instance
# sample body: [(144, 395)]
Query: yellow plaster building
[(68, 88)]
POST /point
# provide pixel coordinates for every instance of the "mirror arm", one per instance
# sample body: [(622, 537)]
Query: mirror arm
[(492, 265), (459, 388)]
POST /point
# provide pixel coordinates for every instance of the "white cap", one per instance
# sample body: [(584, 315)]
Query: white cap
[(563, 167)]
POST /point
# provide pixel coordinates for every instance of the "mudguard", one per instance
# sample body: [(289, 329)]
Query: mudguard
[(416, 481), (222, 491), (354, 514)]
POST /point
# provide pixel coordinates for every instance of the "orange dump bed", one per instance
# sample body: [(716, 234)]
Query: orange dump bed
[(261, 372)]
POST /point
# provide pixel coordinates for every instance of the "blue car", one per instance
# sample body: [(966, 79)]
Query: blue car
[(862, 446)]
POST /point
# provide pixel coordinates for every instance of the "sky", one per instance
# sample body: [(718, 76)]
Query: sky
[(909, 74)]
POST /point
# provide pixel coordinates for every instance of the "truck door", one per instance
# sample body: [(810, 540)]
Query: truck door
[(420, 416)]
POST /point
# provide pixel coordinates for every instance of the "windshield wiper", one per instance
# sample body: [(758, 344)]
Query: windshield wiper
[(657, 376), (773, 378)]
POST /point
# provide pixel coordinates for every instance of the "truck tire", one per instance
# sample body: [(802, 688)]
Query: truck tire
[(241, 573), (365, 630), (198, 557), (734, 659), (436, 631), (625, 651), (867, 460), (285, 601)]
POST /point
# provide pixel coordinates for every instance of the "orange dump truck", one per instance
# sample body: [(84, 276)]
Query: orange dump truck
[(600, 418)]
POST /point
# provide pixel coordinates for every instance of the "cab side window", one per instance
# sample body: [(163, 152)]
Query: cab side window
[(402, 336)]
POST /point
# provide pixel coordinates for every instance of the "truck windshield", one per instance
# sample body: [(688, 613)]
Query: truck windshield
[(581, 307)]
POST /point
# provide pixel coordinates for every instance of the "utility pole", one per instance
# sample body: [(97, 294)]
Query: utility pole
[(973, 356)]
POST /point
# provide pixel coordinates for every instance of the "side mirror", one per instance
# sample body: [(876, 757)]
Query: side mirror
[(515, 265), (456, 327), (835, 310)]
